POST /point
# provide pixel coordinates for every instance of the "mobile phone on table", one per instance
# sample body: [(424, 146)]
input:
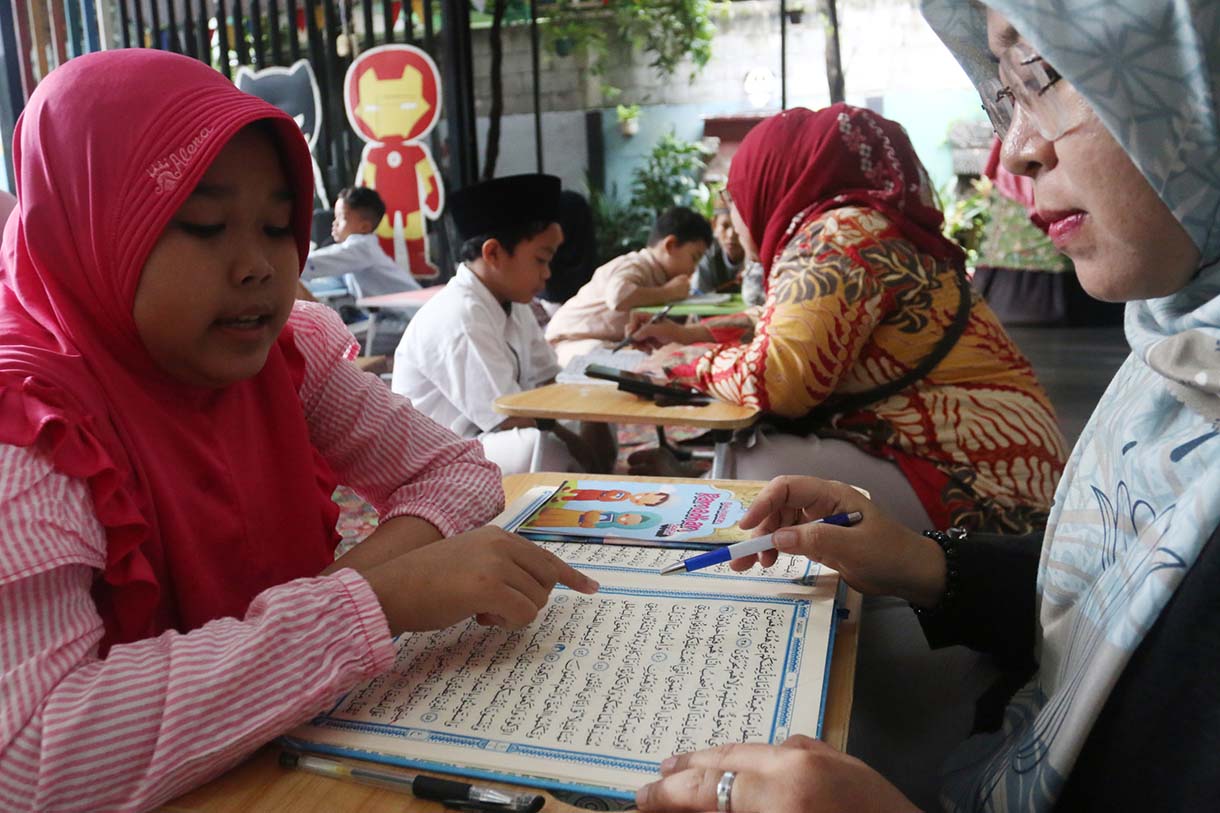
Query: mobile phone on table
[(641, 384)]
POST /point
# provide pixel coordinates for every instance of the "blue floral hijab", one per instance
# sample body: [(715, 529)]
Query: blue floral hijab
[(1141, 492)]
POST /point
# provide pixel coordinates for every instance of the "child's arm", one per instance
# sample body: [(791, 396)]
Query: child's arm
[(162, 715), (334, 260), (398, 459), (625, 298)]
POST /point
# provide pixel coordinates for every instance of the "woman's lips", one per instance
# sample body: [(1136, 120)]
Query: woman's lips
[(1061, 227)]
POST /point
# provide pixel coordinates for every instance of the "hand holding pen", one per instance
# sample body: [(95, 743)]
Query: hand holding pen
[(656, 317), (878, 556), (750, 547)]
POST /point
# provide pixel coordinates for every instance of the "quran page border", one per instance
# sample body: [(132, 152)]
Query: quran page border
[(790, 671)]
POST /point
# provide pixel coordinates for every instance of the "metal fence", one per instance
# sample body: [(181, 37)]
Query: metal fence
[(37, 35)]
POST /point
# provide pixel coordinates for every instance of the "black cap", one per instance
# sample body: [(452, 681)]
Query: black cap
[(505, 202)]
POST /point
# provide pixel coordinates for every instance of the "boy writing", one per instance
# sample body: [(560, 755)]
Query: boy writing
[(597, 315), (478, 339)]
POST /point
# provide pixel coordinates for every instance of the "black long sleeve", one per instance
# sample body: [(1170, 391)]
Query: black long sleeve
[(994, 607), (1154, 745)]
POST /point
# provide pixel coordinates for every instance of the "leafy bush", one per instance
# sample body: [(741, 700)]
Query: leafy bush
[(616, 224), (668, 31), (669, 176), (967, 215)]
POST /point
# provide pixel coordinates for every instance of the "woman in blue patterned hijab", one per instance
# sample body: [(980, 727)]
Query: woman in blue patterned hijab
[(1111, 109)]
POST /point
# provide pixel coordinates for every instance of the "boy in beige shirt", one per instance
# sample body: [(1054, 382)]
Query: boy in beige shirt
[(597, 315)]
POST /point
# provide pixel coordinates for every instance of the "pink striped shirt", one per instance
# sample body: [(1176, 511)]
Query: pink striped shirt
[(162, 715)]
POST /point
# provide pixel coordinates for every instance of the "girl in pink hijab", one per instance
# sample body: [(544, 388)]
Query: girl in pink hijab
[(171, 429)]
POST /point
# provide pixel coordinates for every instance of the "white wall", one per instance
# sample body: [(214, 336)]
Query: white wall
[(886, 48)]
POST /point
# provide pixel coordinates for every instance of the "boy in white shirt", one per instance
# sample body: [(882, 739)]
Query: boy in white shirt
[(478, 339), (356, 255)]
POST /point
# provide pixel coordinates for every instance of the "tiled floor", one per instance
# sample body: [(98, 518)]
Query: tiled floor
[(1075, 364)]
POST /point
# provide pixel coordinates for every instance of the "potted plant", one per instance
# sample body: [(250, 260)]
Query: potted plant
[(628, 119), (795, 13)]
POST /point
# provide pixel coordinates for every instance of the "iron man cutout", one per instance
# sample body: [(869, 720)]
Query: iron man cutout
[(392, 97)]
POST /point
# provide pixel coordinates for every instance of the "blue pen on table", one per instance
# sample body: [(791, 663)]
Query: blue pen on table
[(750, 547)]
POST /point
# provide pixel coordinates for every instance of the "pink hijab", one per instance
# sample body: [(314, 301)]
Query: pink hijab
[(206, 497), (802, 163)]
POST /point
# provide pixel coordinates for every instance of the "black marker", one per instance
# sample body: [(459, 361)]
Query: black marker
[(448, 792)]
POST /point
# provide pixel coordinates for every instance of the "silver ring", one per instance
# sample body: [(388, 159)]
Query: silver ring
[(724, 792)]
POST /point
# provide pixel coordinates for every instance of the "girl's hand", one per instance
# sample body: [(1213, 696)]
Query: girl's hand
[(498, 577), (800, 776), (877, 556)]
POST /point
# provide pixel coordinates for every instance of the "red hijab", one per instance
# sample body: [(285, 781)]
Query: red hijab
[(206, 497), (799, 164)]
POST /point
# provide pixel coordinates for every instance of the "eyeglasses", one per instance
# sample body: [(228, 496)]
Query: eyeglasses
[(1027, 81)]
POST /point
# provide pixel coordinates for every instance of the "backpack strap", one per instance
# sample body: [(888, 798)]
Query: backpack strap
[(820, 415)]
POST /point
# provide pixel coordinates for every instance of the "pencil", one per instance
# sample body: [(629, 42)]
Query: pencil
[(656, 317)]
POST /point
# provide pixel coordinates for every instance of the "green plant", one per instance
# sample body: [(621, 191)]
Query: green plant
[(706, 204), (617, 225), (628, 112), (966, 216), (670, 176), (669, 31)]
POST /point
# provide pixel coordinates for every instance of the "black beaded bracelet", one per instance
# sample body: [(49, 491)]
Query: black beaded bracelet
[(948, 541)]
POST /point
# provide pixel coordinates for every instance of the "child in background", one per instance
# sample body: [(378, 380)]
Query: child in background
[(478, 339), (660, 273), (356, 254), (171, 429), (722, 264), (357, 261)]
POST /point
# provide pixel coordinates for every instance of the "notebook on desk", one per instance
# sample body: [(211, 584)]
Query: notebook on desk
[(574, 372), (600, 689)]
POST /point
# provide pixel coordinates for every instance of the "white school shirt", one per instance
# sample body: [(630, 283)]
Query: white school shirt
[(463, 350), (371, 270)]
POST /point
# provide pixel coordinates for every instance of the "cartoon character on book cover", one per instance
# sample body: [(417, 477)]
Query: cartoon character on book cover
[(569, 493), (393, 99), (552, 516), (668, 512)]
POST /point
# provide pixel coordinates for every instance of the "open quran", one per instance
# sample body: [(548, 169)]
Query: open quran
[(600, 689)]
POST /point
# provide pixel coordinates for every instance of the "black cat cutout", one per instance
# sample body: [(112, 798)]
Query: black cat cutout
[(295, 91)]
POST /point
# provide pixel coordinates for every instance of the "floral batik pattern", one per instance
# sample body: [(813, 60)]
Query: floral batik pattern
[(851, 306)]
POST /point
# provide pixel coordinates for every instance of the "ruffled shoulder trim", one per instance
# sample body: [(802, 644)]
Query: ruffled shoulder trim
[(33, 414)]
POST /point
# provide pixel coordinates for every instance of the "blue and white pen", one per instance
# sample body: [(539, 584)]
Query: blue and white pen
[(748, 548)]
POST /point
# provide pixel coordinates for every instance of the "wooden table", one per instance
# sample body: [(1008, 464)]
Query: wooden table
[(260, 784), (408, 302), (606, 404)]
